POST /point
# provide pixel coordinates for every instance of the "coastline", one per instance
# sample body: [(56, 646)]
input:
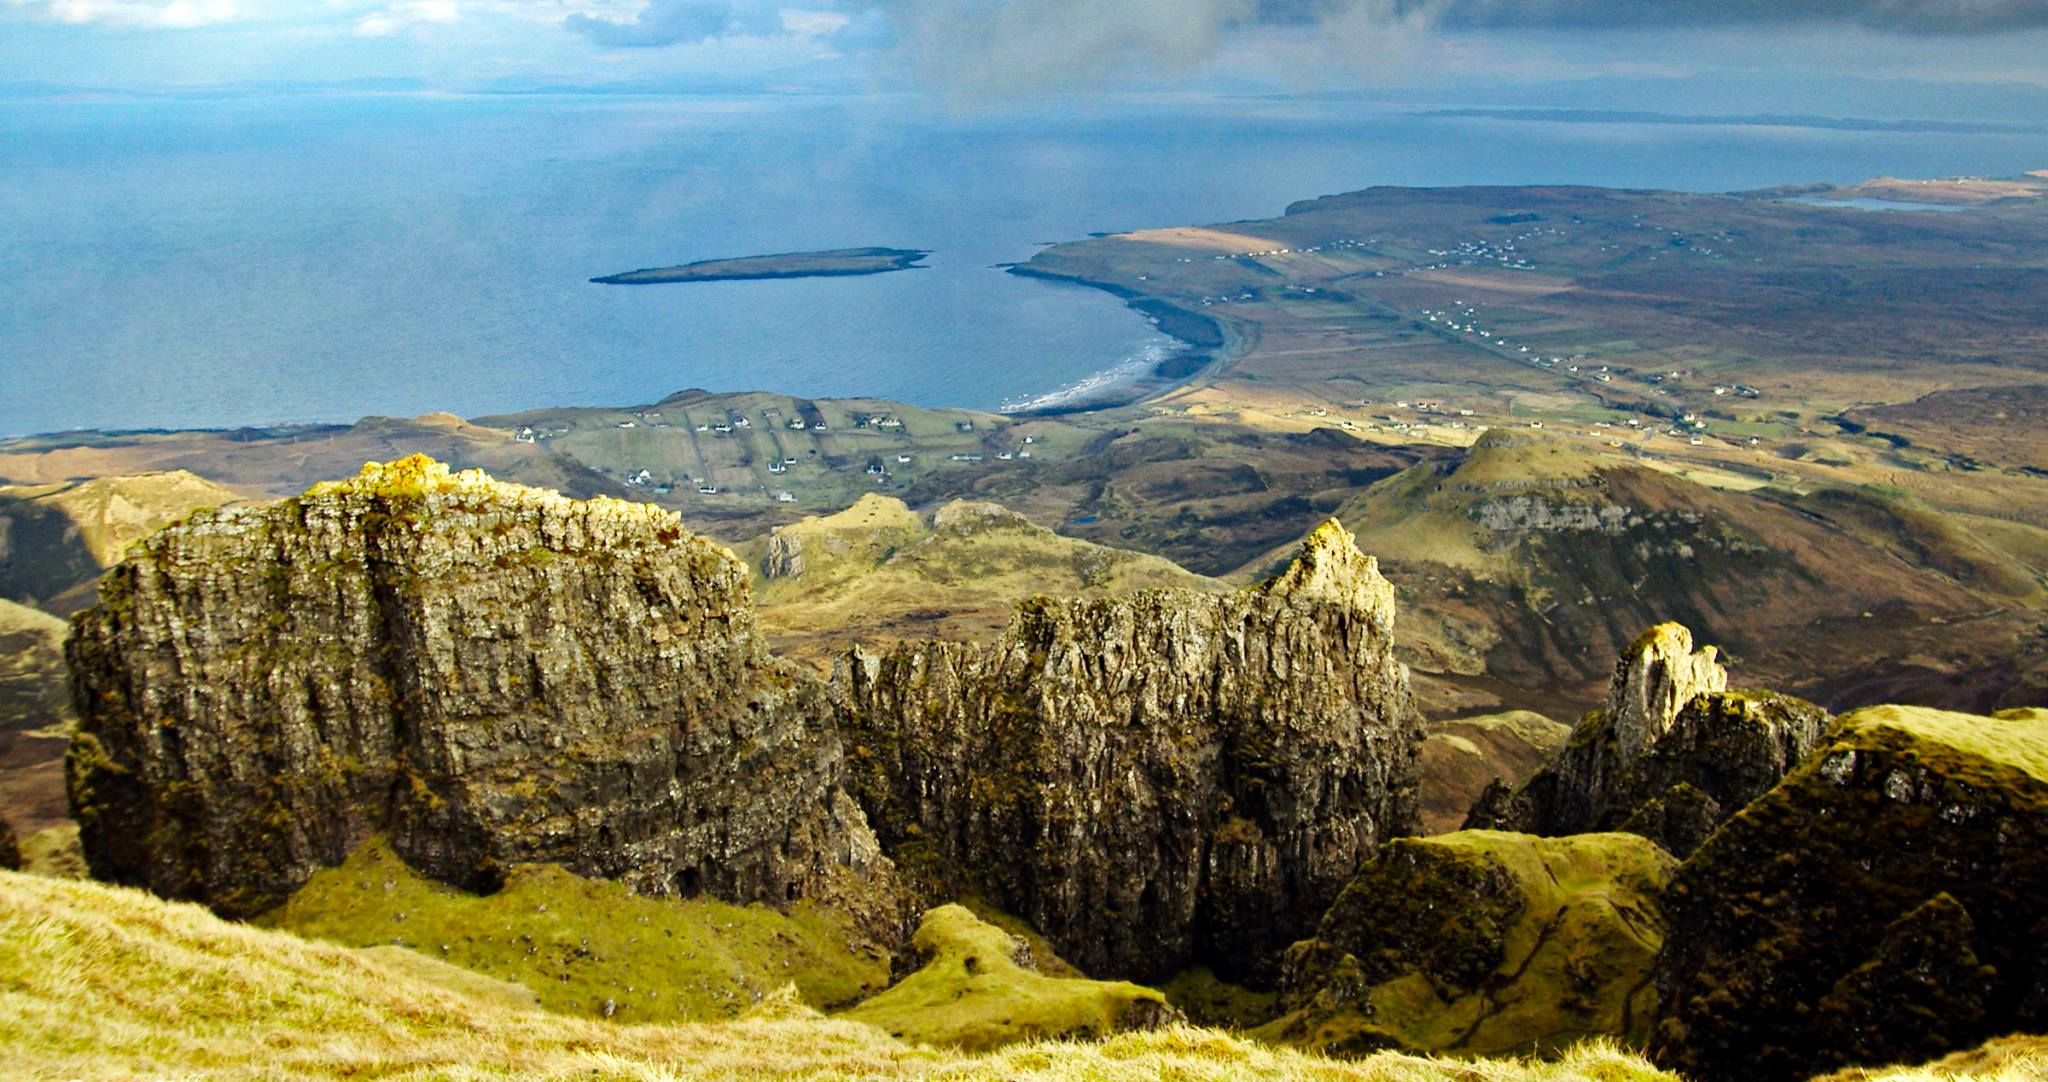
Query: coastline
[(1206, 346)]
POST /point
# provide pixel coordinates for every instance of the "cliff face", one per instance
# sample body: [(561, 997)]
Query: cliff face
[(1157, 778), (488, 674), (1885, 903), (1671, 755)]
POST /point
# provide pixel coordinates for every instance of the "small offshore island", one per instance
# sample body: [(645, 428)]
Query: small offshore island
[(839, 262)]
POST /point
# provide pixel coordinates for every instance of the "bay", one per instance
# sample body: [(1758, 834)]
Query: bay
[(194, 261)]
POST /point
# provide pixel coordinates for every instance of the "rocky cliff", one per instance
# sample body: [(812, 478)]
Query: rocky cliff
[(1671, 755), (1884, 903), (1155, 779), (487, 674)]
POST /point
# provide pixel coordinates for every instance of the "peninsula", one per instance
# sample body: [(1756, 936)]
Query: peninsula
[(838, 262)]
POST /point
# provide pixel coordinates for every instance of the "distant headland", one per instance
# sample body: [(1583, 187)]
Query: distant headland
[(838, 262)]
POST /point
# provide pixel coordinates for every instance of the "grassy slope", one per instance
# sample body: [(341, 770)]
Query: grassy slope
[(2021, 742), (1758, 572), (2007, 1059), (35, 718), (579, 943), (1460, 757), (971, 993), (879, 571), (100, 982), (64, 535)]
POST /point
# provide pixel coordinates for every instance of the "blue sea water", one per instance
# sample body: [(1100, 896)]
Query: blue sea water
[(181, 262)]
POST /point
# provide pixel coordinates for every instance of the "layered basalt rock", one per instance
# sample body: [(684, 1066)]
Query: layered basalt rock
[(1671, 755), (1885, 903), (1156, 779), (487, 674)]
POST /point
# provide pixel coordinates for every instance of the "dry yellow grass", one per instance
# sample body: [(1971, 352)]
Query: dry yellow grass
[(101, 982), (2008, 1059)]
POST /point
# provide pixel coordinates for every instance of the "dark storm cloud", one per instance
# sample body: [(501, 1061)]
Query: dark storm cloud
[(1912, 16), (982, 46), (678, 22)]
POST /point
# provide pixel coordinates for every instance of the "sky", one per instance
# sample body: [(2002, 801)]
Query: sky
[(1953, 59)]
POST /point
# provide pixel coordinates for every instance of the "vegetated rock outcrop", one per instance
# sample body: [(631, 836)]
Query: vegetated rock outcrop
[(1671, 755), (10, 849), (487, 674), (1155, 779), (1482, 943), (978, 987), (1885, 903)]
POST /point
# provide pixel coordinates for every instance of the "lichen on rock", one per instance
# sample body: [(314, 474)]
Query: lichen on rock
[(1152, 780), (489, 675)]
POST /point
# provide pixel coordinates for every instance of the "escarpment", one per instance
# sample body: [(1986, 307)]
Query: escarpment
[(488, 675), (1154, 779), (1885, 903), (1671, 755)]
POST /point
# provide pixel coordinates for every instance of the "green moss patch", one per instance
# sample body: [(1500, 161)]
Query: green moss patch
[(1482, 942), (2015, 738), (587, 946), (973, 994), (1209, 1000)]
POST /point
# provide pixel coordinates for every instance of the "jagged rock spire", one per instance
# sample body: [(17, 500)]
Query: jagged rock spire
[(1671, 755), (1655, 678)]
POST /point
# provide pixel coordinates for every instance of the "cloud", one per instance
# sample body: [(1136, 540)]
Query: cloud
[(149, 14), (682, 22), (999, 45), (407, 14), (1908, 16), (993, 46)]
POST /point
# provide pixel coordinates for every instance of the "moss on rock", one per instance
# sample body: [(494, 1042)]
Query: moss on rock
[(1482, 943), (1887, 900), (976, 990)]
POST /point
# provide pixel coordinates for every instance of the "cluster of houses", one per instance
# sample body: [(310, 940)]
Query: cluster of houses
[(878, 467)]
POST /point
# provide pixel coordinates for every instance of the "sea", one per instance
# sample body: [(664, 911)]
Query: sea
[(173, 262)]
